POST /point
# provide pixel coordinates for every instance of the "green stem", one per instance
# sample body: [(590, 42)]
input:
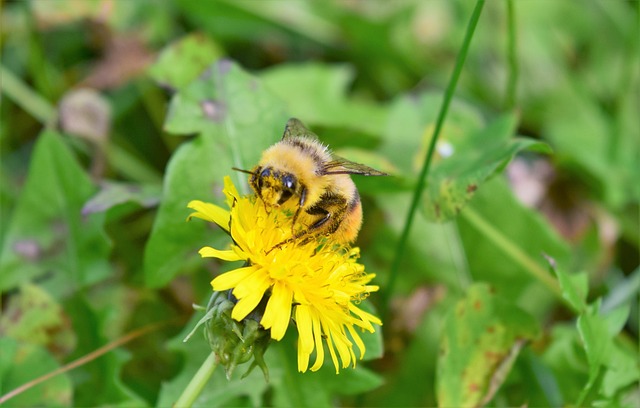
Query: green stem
[(448, 96), (30, 101), (512, 81), (513, 251), (197, 383)]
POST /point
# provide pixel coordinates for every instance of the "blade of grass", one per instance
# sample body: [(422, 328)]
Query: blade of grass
[(512, 80), (448, 96), (28, 99)]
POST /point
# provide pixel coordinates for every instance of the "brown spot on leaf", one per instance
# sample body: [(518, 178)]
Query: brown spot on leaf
[(492, 356), (477, 305), (473, 387), (471, 188)]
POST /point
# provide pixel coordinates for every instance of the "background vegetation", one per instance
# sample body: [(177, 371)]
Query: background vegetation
[(518, 283)]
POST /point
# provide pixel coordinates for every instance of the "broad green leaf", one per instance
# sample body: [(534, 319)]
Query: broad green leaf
[(233, 108), (415, 352), (236, 119), (33, 316), (317, 94), (411, 122), (467, 153), (575, 288), (183, 60), (99, 379), (465, 162), (481, 339), (437, 242), (48, 232), (566, 359), (597, 346), (113, 193), (21, 362), (622, 370), (487, 258), (611, 366)]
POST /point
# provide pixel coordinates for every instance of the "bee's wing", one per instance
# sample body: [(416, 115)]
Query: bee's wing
[(340, 165), (295, 128)]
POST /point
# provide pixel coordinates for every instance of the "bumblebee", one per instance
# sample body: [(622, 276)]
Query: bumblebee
[(299, 167)]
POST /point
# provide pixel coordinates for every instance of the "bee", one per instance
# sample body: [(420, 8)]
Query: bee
[(299, 167)]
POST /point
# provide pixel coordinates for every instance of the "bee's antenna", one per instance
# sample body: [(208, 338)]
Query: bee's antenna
[(243, 171)]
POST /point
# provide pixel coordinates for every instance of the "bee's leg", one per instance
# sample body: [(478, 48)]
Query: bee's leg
[(303, 199), (295, 218), (330, 208), (306, 234)]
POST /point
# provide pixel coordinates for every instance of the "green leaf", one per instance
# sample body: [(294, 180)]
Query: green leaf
[(595, 336), (481, 339), (413, 382), (606, 355), (565, 357), (526, 229), (622, 371), (183, 60), (48, 231), (411, 122), (114, 193), (317, 93), (21, 362), (575, 288), (465, 161), (99, 379), (33, 316), (236, 119)]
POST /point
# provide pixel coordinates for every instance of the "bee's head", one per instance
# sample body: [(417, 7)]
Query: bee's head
[(272, 186)]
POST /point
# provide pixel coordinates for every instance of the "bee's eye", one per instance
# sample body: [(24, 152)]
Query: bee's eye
[(288, 182), (265, 173)]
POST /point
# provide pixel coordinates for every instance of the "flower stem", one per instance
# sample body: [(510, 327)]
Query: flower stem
[(512, 251), (417, 194), (197, 383)]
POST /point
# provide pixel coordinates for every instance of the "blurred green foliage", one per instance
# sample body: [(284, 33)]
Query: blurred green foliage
[(519, 285)]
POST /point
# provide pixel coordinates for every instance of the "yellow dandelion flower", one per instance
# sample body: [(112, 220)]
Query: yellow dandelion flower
[(319, 286)]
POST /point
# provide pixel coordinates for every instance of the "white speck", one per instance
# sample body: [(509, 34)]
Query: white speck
[(445, 149)]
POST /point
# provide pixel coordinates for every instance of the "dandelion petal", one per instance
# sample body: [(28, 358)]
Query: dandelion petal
[(278, 311), (231, 279), (227, 255), (246, 306), (210, 212)]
